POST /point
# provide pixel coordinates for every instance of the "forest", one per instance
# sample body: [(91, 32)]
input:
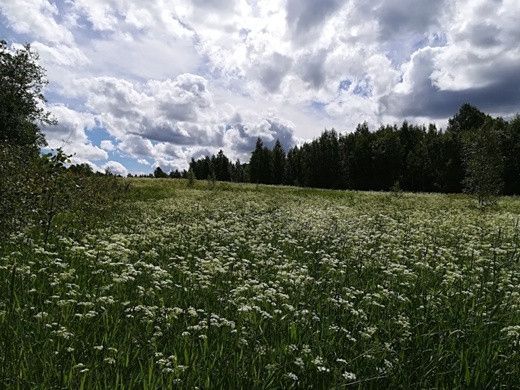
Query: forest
[(408, 157)]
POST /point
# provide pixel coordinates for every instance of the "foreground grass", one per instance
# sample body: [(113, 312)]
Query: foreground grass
[(242, 286)]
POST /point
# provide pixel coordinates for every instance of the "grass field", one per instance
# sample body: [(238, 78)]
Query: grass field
[(240, 286)]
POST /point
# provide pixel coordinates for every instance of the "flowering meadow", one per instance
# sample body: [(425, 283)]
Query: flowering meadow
[(243, 286)]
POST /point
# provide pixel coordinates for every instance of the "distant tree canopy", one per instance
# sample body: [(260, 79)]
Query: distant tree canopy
[(159, 173), (220, 168), (476, 153)]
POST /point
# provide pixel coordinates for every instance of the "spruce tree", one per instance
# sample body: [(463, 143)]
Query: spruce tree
[(255, 162), (278, 163)]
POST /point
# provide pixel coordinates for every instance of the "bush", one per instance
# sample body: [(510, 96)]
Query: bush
[(19, 183), (38, 194), (191, 178)]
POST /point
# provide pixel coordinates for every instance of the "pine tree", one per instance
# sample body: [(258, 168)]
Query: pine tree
[(292, 167), (221, 166)]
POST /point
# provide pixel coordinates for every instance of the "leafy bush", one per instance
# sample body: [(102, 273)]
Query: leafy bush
[(39, 194), (17, 188)]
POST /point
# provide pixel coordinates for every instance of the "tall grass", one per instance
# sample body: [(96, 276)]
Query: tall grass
[(261, 287)]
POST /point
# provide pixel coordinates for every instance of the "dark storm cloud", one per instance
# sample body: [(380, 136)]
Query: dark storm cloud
[(431, 102), (501, 93)]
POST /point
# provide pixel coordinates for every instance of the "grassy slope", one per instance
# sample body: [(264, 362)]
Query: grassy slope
[(267, 287)]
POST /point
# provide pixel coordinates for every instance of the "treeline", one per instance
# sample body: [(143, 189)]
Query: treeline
[(220, 168), (215, 167), (476, 152)]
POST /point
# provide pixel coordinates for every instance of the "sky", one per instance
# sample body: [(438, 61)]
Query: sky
[(136, 84)]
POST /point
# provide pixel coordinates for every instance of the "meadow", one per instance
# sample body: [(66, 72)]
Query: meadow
[(244, 286)]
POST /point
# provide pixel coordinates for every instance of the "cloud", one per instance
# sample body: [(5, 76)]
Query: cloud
[(60, 54), (241, 137), (145, 56), (470, 68), (101, 15), (215, 5), (306, 18), (171, 121), (398, 17), (107, 145), (172, 110), (420, 96), (273, 71), (311, 68), (116, 168), (86, 151), (136, 146), (179, 111), (37, 18), (70, 133)]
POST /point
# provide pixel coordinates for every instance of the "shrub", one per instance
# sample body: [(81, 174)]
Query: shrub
[(39, 194)]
